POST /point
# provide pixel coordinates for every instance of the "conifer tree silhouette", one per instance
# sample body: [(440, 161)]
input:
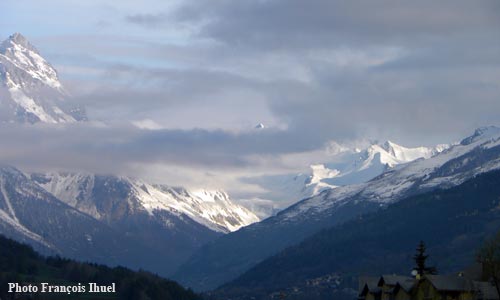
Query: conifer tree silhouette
[(420, 259)]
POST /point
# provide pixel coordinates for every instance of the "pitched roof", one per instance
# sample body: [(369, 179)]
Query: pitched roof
[(404, 282), (371, 281), (408, 284), (366, 290), (394, 279), (368, 284), (450, 283)]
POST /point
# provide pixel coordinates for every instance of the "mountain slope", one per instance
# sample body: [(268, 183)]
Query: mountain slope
[(124, 233), (30, 90), (51, 226), (452, 222), (21, 264), (231, 255)]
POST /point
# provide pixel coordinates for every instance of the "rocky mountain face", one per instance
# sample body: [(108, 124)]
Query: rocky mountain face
[(231, 255), (30, 214), (112, 199), (30, 90)]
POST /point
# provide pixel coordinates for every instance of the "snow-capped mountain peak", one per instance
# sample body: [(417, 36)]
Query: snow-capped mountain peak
[(20, 52), (479, 153), (17, 39), (482, 133), (346, 166), (30, 90), (357, 165), (399, 154), (211, 208)]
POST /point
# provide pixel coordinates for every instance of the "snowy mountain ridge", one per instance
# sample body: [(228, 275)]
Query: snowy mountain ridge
[(159, 243), (449, 167), (30, 90), (347, 166), (212, 209), (400, 154)]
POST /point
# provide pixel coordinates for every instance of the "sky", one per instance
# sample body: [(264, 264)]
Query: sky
[(195, 77)]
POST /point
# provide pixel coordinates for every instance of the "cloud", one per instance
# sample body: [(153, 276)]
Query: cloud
[(285, 24), (114, 148), (204, 73), (416, 72)]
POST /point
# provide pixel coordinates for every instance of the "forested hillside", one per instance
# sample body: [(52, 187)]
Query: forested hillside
[(20, 264)]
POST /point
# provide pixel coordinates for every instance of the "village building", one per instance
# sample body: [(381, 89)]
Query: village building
[(369, 289), (396, 287), (467, 285)]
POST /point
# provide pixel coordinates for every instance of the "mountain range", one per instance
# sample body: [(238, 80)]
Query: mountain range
[(345, 166), (230, 256), (94, 195), (112, 219)]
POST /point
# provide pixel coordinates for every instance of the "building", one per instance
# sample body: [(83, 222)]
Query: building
[(396, 287), (369, 289), (467, 285)]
